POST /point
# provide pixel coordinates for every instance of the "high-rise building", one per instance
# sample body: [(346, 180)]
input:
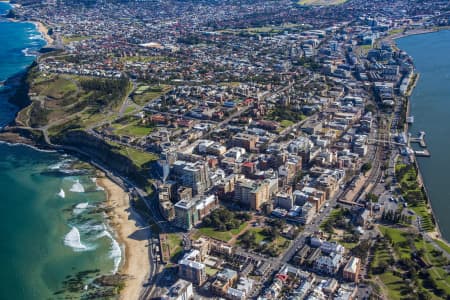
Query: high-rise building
[(251, 193), (193, 174), (191, 269), (180, 290)]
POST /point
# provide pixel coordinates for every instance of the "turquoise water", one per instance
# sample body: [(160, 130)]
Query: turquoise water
[(430, 105), (52, 225)]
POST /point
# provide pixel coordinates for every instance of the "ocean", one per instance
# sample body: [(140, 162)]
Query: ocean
[(53, 235), (430, 105)]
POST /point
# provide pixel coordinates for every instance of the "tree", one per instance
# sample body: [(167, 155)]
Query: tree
[(366, 167)]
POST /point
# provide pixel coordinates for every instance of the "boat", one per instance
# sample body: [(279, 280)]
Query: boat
[(410, 119)]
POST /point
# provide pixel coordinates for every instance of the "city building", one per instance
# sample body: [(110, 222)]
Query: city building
[(351, 269), (189, 268), (180, 290)]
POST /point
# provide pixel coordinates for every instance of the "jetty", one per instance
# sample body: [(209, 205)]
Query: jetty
[(423, 153), (420, 139)]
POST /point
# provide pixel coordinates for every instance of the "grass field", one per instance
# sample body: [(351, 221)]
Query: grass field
[(76, 38), (224, 236), (133, 129), (174, 244), (443, 245), (390, 270), (145, 94), (278, 244)]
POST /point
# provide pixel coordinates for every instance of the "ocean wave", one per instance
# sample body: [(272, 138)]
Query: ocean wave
[(77, 187), (115, 252), (93, 228), (27, 52), (80, 208), (56, 166), (35, 37), (73, 240), (62, 194)]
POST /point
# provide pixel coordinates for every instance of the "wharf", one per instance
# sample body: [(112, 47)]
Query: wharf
[(420, 139), (424, 153)]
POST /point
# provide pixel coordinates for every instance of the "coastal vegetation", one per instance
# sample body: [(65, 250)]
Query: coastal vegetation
[(70, 101)]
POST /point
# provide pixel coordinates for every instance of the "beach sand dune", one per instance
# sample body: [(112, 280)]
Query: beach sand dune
[(131, 235)]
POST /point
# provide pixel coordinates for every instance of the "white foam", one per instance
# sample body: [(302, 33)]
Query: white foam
[(115, 252), (62, 194), (73, 240), (36, 37), (29, 146), (56, 166), (77, 187), (80, 208), (26, 52)]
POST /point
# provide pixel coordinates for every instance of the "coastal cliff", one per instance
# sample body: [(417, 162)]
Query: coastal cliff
[(59, 111)]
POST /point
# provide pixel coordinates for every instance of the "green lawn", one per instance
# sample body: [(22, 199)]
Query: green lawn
[(76, 38), (394, 284), (174, 244), (396, 235), (259, 237), (395, 31), (224, 236), (238, 230), (59, 88), (133, 129), (443, 245), (286, 123), (148, 94), (422, 211), (138, 157)]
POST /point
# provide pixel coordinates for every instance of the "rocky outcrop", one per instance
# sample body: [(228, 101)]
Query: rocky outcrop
[(97, 150)]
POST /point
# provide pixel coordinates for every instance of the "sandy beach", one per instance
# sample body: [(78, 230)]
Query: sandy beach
[(131, 236), (44, 31)]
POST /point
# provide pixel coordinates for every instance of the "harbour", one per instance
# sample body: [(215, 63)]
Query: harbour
[(431, 109)]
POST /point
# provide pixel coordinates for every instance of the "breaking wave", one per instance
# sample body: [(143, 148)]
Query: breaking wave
[(77, 187), (80, 208), (73, 240)]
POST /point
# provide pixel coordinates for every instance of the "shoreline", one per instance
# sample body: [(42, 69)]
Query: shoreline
[(130, 235), (436, 233), (43, 30)]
